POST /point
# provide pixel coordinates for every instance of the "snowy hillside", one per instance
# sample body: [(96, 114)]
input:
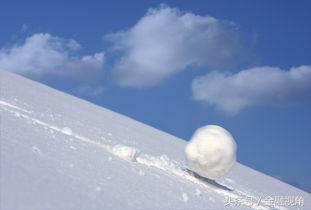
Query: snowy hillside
[(60, 152)]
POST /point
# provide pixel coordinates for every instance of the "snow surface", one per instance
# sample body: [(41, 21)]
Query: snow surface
[(211, 151), (60, 152)]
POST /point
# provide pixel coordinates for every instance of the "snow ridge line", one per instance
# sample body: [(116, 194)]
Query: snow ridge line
[(3, 103), (131, 154)]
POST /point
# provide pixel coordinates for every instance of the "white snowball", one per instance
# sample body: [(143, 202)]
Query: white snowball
[(211, 151)]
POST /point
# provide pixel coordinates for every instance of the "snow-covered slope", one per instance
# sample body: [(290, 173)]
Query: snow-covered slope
[(60, 152)]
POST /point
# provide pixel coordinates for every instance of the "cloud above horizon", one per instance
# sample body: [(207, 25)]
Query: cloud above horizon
[(166, 41), (231, 93), (42, 54)]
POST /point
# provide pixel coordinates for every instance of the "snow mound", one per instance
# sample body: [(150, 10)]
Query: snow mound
[(67, 131), (125, 152), (211, 151)]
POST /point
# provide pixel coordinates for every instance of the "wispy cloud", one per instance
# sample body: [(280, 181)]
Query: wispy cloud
[(43, 54), (24, 28), (256, 86), (166, 41)]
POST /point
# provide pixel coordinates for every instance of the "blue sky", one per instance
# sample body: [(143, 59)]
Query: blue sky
[(242, 65)]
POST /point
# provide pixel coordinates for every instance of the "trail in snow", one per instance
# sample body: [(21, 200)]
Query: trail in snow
[(133, 155), (3, 103)]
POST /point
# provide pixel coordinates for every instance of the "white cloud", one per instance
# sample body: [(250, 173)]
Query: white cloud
[(44, 54), (167, 40), (256, 86)]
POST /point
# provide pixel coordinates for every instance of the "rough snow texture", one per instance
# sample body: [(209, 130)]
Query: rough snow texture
[(62, 153), (211, 151)]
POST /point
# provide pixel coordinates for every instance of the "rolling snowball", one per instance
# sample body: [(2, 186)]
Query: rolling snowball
[(211, 151)]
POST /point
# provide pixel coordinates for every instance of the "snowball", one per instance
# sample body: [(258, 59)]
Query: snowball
[(211, 151)]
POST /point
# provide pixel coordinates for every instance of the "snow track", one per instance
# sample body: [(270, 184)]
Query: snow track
[(134, 156)]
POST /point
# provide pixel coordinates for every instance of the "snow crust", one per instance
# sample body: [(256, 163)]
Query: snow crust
[(211, 151)]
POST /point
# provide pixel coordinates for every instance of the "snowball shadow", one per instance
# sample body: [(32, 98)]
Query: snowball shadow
[(209, 181)]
